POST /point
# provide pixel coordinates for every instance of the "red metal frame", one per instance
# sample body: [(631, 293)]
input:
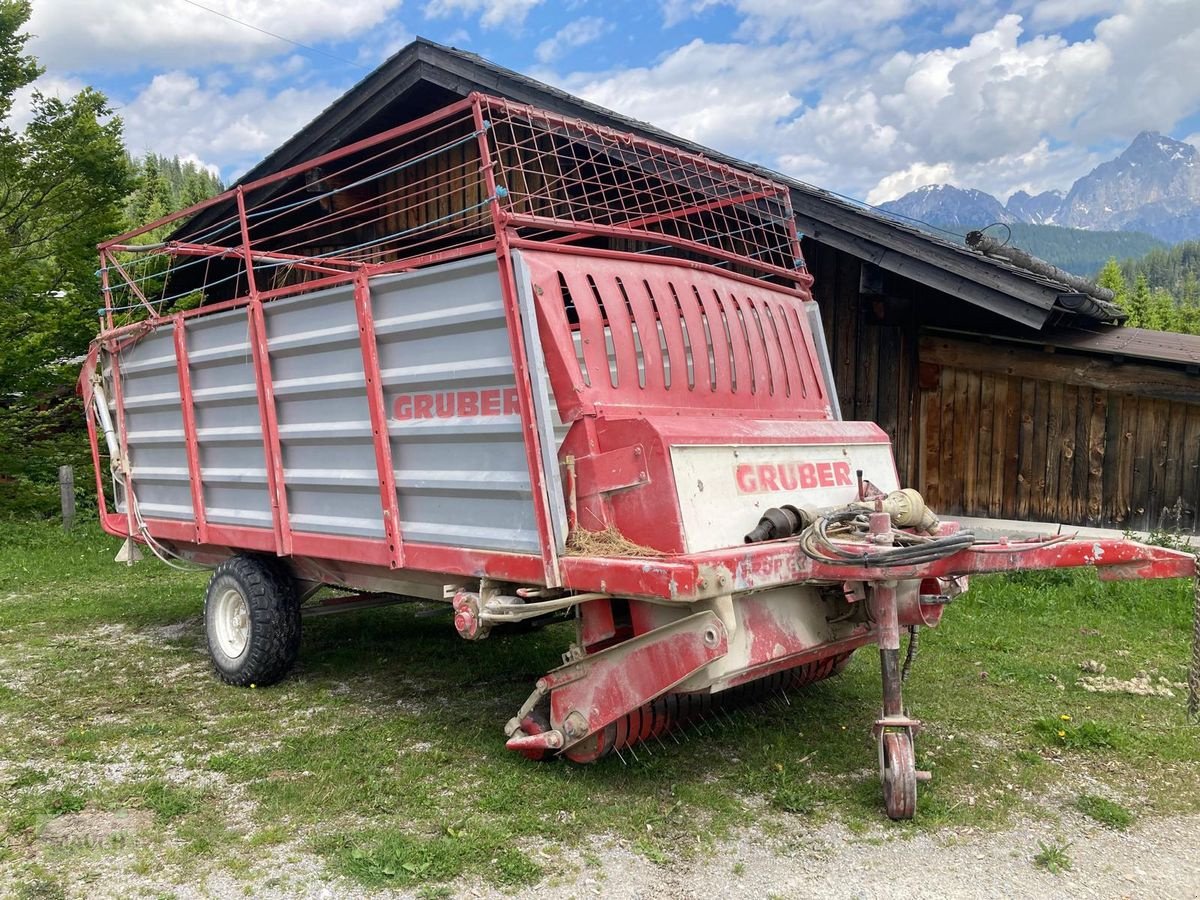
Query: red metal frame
[(379, 422), (272, 453), (753, 354), (188, 410), (516, 340), (687, 578)]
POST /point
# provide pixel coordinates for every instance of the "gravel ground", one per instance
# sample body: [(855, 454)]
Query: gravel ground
[(1159, 858)]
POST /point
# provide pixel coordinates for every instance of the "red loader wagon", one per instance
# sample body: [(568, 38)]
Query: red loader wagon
[(538, 370)]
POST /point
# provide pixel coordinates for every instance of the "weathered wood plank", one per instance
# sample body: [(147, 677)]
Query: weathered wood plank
[(1067, 456), (1173, 465), (846, 363), (1116, 461), (946, 463), (930, 471), (969, 463), (1139, 379), (1012, 452), (1025, 462), (1037, 466), (982, 495), (870, 336), (1190, 465), (1054, 424), (1142, 425), (1096, 447), (1001, 413), (1156, 495), (1079, 484), (887, 388)]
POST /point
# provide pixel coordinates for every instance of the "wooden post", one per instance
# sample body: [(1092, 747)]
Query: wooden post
[(66, 491)]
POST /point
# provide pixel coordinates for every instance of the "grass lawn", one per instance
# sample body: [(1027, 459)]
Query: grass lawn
[(383, 753)]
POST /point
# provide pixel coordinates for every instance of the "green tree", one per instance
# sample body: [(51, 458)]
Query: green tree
[(63, 180), (1112, 278), (1137, 303)]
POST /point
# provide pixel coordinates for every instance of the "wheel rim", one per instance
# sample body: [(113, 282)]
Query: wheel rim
[(899, 775), (231, 622)]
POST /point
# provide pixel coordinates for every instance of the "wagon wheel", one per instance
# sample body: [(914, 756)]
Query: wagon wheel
[(898, 771)]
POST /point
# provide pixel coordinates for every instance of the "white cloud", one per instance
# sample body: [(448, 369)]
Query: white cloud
[(732, 97), (676, 11), (766, 19), (493, 13), (987, 114), (179, 115), (82, 35), (572, 35), (48, 85), (1064, 12)]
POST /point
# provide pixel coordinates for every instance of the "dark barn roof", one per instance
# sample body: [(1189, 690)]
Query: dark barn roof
[(425, 76)]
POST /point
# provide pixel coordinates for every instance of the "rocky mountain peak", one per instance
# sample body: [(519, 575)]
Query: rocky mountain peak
[(1153, 186)]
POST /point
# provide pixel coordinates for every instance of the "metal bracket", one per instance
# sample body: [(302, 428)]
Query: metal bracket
[(613, 470)]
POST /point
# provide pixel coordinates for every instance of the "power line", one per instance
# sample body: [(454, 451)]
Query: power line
[(217, 12)]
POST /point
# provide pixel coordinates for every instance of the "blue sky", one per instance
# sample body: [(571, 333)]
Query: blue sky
[(870, 98)]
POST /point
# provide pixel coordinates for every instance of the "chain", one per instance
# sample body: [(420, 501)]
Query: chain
[(1194, 671)]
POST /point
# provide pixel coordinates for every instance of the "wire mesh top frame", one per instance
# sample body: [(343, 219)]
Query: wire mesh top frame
[(445, 186)]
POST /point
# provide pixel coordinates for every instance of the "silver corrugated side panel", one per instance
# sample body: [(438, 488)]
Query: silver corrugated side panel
[(446, 371), (324, 420), (448, 382), (229, 430), (154, 427)]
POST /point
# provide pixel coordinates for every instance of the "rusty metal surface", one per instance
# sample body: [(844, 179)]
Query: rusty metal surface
[(589, 694), (690, 577)]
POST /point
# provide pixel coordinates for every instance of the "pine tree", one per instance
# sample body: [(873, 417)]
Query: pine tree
[(1112, 278), (1138, 303)]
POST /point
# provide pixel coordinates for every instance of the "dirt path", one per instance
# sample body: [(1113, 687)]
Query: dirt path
[(1155, 859), (1158, 859)]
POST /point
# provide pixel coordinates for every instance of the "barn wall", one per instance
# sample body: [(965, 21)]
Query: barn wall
[(873, 356), (1017, 433), (1003, 430)]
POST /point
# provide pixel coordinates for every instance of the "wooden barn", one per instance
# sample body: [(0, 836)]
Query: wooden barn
[(1007, 395)]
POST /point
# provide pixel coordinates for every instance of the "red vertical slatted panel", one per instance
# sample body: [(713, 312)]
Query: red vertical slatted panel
[(664, 303), (791, 350), (647, 323), (716, 335), (758, 352), (681, 296), (755, 334), (743, 367), (773, 352), (808, 354), (620, 329), (591, 328)]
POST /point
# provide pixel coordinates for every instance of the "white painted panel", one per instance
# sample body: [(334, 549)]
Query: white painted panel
[(724, 489)]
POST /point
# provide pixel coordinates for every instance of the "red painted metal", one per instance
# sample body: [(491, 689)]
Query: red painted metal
[(520, 359), (379, 422), (778, 563), (700, 354), (272, 453), (188, 411), (316, 162), (589, 694), (730, 348)]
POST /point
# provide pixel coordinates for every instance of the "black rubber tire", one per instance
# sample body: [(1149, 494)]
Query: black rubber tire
[(274, 621)]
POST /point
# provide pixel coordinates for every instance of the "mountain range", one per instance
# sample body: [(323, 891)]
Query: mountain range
[(1153, 187)]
